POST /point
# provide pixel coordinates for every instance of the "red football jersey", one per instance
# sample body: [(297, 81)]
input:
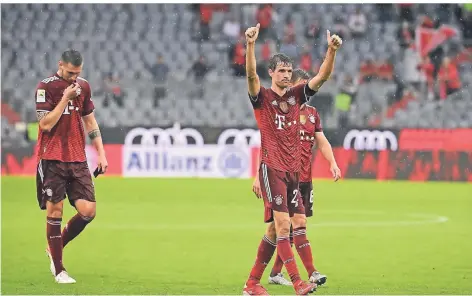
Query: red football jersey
[(279, 118), (310, 123), (66, 141)]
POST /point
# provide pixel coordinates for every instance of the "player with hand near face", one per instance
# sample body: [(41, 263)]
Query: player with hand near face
[(64, 109)]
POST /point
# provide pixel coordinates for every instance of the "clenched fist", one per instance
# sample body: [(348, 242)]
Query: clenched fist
[(72, 91), (334, 41), (252, 33)]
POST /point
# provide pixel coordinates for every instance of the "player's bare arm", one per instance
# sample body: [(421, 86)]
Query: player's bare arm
[(93, 130), (256, 185), (334, 43), (254, 84), (327, 151), (47, 120)]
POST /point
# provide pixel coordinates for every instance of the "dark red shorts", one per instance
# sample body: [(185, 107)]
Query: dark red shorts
[(55, 179), (280, 192), (306, 190)]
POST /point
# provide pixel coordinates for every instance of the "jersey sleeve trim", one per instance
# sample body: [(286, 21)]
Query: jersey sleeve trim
[(88, 113), (40, 114), (308, 92), (254, 98)]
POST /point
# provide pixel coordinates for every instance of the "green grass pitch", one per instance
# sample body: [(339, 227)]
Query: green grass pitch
[(199, 236)]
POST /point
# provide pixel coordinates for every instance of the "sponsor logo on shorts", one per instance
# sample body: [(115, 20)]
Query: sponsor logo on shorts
[(278, 200), (233, 162)]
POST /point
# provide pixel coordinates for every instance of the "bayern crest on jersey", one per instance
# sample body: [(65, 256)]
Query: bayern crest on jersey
[(312, 118), (292, 101)]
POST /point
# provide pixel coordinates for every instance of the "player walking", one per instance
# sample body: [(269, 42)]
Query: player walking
[(281, 159), (63, 101), (311, 132)]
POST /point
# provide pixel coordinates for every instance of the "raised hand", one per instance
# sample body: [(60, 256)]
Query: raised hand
[(252, 33), (334, 41)]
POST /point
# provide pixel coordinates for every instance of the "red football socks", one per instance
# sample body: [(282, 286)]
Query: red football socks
[(285, 252), (264, 254), (304, 249), (53, 232), (75, 226), (278, 264)]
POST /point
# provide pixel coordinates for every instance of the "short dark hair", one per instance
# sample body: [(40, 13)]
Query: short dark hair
[(299, 74), (73, 57), (279, 58)]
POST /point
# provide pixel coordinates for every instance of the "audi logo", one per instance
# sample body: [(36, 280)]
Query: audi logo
[(370, 140), (244, 137), (164, 137)]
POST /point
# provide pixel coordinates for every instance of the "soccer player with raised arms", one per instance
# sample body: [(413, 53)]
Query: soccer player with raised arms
[(311, 133), (64, 107), (279, 108)]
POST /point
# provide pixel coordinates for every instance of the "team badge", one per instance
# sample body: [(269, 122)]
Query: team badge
[(78, 91), (291, 101), (49, 192), (283, 106), (278, 200), (302, 119), (312, 118)]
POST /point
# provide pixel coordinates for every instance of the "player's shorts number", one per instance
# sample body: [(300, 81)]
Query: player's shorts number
[(294, 199), (311, 199)]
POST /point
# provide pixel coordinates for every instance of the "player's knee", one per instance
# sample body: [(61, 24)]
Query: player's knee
[(283, 228), (55, 213), (54, 210), (89, 215), (299, 221), (270, 232), (88, 212)]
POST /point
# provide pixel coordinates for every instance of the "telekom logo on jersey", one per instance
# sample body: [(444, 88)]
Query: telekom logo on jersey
[(70, 107), (279, 121)]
